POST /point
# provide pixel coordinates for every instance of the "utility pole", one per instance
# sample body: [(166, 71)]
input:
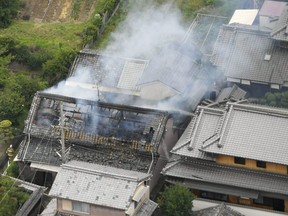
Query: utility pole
[(62, 133)]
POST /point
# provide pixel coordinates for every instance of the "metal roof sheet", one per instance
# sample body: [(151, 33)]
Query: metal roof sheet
[(78, 181), (246, 16)]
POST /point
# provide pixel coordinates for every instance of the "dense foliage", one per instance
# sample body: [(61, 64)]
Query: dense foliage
[(91, 33), (176, 200), (12, 197), (13, 170), (16, 89), (6, 132), (8, 11), (279, 99)]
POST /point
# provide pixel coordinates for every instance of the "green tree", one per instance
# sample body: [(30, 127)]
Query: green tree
[(12, 197), (6, 132), (279, 99), (56, 69), (176, 200), (11, 105), (8, 11), (13, 170)]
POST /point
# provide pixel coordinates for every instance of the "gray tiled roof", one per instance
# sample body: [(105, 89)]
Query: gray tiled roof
[(280, 29), (234, 93), (253, 132), (96, 184), (201, 127), (147, 208), (107, 70), (240, 53), (211, 172), (219, 210), (249, 131)]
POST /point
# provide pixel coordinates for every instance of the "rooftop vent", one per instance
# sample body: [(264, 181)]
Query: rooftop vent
[(267, 57)]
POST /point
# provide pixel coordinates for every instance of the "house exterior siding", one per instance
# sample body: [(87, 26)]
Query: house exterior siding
[(251, 164), (63, 205)]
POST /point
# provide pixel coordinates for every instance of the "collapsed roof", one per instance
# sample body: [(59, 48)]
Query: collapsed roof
[(114, 135)]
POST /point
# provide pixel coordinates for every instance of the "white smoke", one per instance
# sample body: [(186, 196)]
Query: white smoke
[(145, 29)]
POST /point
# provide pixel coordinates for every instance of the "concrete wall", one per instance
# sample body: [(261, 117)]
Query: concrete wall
[(251, 164)]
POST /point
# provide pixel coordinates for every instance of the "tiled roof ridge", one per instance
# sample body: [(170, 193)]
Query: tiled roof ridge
[(112, 175), (278, 30), (223, 126), (245, 28), (261, 109), (195, 129), (97, 53), (174, 163), (189, 129)]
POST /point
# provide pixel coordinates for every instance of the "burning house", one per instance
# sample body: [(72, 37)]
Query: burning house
[(134, 81), (60, 129)]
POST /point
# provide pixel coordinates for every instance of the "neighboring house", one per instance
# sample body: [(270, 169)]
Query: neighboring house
[(219, 210), (82, 188), (270, 13), (252, 55), (115, 135), (236, 153)]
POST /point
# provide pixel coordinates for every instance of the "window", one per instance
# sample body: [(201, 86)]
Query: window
[(261, 164), (239, 160), (80, 207)]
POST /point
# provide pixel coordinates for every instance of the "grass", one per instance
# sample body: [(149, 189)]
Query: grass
[(76, 8), (46, 35)]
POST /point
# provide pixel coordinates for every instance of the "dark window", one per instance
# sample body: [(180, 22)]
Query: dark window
[(261, 164), (80, 207), (239, 160)]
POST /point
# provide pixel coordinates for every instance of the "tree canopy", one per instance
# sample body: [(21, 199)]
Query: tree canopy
[(279, 99), (176, 200), (8, 11), (12, 197)]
